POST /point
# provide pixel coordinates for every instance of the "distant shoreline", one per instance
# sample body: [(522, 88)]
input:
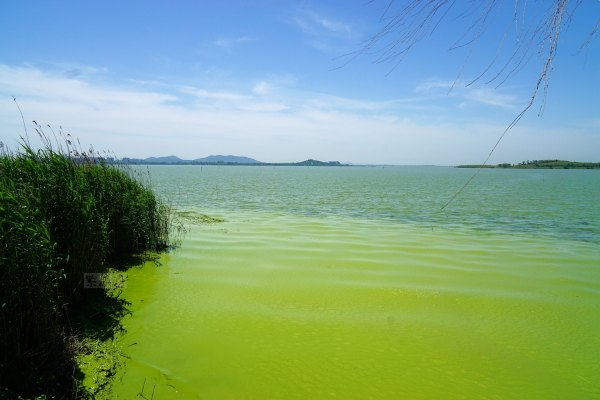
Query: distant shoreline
[(539, 164), (307, 163)]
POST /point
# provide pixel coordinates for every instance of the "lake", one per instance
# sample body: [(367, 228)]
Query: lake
[(352, 283)]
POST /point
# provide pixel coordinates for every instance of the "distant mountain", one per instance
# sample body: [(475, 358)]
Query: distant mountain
[(206, 160), (316, 163), (226, 160), (163, 160)]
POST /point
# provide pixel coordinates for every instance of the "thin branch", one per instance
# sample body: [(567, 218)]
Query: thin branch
[(417, 19)]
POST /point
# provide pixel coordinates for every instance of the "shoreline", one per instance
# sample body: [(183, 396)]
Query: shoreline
[(541, 164)]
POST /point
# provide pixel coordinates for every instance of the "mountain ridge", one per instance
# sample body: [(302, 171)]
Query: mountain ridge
[(212, 159), (225, 160)]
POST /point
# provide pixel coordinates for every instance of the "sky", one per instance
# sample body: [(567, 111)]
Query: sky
[(285, 81)]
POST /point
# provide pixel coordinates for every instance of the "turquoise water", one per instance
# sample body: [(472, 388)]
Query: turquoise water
[(564, 203), (351, 283)]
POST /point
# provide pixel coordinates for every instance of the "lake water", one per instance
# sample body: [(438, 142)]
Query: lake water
[(351, 283)]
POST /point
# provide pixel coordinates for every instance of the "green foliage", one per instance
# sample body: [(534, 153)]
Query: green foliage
[(543, 164), (557, 164), (61, 215)]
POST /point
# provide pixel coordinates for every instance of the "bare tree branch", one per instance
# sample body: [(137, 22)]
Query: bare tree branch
[(537, 29)]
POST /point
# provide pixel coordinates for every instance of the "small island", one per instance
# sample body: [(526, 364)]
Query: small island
[(540, 164)]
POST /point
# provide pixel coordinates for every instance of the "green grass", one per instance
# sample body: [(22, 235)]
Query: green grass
[(62, 214)]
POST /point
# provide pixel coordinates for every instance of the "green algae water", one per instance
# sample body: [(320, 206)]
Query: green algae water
[(350, 283)]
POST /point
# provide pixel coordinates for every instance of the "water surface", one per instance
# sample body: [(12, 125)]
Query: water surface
[(350, 283)]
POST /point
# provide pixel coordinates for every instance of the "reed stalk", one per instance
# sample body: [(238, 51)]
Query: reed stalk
[(63, 212)]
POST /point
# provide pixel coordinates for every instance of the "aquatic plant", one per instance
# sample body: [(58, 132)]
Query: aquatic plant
[(64, 212)]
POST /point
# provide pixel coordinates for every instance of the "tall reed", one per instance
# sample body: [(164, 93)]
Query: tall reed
[(63, 213)]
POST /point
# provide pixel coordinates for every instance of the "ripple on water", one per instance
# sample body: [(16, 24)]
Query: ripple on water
[(269, 305)]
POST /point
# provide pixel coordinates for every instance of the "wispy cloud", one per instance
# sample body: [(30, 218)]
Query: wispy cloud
[(253, 101), (40, 84), (262, 88), (325, 33), (270, 125), (337, 103), (469, 94), (431, 85), (315, 24), (213, 95), (225, 42), (265, 107)]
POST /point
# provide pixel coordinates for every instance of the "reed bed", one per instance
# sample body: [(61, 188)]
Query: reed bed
[(63, 213)]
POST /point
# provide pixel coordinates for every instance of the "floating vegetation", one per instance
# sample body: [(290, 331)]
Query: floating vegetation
[(98, 361), (197, 218)]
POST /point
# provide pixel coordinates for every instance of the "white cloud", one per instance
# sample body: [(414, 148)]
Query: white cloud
[(326, 34), (333, 26), (331, 102), (275, 126), (486, 95), (36, 84), (314, 23), (265, 107), (213, 95), (429, 85), (262, 88), (229, 42), (469, 94)]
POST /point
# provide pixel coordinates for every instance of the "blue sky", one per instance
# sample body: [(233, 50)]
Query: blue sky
[(273, 80)]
